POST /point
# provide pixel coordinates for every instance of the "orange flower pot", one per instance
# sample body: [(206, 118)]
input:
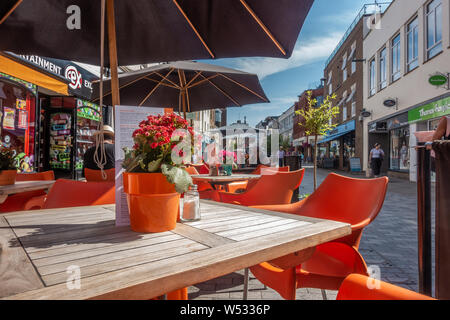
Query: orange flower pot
[(153, 203), (7, 177)]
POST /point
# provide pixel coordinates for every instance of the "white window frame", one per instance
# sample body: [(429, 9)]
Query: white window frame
[(435, 44), (372, 77), (382, 65), (396, 47), (344, 68), (414, 62)]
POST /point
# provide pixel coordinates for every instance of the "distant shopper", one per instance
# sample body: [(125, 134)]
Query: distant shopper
[(281, 157), (108, 138), (376, 159)]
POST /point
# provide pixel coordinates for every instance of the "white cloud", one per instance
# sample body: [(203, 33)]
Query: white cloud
[(314, 50)]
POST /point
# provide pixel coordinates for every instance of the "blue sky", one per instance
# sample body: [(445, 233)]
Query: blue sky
[(284, 79)]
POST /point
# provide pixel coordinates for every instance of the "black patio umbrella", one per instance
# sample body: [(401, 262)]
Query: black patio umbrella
[(145, 31), (188, 86)]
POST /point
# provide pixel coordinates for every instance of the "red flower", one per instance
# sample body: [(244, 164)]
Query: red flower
[(154, 145)]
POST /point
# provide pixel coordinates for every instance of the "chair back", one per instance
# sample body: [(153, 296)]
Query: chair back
[(191, 170), (264, 170), (350, 200), (96, 175), (70, 193), (276, 188), (46, 175)]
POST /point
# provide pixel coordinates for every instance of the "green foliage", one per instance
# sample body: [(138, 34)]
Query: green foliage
[(178, 176), (316, 119), (7, 159)]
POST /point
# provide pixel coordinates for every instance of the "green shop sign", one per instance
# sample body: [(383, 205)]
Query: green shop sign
[(438, 80), (430, 111)]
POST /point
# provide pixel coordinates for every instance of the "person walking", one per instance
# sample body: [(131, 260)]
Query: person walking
[(108, 141), (376, 159), (280, 157)]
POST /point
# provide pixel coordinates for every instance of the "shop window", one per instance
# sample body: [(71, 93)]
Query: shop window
[(17, 118), (434, 28), (399, 153)]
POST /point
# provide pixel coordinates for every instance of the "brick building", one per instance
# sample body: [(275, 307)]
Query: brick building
[(344, 77)]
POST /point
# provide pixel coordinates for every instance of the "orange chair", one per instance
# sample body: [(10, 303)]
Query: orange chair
[(246, 185), (18, 202), (70, 193), (354, 201), (96, 175), (276, 188), (355, 287)]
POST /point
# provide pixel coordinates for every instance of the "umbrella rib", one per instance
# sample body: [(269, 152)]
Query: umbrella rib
[(204, 80), (262, 25), (187, 93), (162, 83), (193, 28), (243, 86), (171, 82), (125, 85), (223, 92), (10, 11), (156, 87), (195, 77)]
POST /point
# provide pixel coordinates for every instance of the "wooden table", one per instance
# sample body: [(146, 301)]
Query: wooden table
[(224, 180), (116, 263), (24, 186)]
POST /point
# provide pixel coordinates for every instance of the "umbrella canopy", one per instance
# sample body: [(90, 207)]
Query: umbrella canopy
[(153, 30), (190, 86)]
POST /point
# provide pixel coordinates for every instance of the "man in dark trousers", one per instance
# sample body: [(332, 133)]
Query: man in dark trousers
[(108, 137)]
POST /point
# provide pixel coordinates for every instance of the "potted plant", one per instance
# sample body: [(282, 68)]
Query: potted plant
[(8, 170), (229, 161), (154, 177)]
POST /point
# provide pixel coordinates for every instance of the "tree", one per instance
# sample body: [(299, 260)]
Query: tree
[(317, 121)]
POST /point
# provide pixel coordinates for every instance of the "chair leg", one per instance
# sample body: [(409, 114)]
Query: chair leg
[(324, 294), (245, 294)]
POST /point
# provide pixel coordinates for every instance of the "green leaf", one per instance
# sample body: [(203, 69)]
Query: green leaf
[(154, 165), (178, 176)]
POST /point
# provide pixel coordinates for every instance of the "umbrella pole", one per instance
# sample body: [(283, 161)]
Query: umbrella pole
[(113, 54)]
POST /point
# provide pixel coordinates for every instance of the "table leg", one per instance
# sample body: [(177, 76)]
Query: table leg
[(245, 294)]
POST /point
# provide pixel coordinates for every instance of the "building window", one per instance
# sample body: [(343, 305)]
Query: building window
[(344, 112), (330, 89), (434, 28), (344, 68), (383, 69), (413, 44), (396, 53), (352, 57), (372, 78)]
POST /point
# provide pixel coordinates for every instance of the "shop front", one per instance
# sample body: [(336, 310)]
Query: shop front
[(426, 117), (338, 147)]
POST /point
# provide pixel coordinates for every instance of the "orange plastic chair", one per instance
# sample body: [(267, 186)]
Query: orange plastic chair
[(18, 202), (355, 287), (354, 201), (246, 185), (275, 188), (70, 193), (96, 175)]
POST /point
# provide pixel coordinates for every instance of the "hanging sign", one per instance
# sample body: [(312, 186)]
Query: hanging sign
[(438, 80), (9, 116), (23, 117)]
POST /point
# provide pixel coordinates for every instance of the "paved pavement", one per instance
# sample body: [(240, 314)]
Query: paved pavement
[(388, 243)]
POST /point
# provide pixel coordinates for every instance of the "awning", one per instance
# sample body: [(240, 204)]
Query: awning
[(340, 131), (40, 79)]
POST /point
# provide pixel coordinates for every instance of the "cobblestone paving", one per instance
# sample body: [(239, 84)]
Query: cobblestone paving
[(389, 243)]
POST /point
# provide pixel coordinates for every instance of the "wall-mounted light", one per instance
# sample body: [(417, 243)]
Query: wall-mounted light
[(365, 113), (391, 102), (359, 60)]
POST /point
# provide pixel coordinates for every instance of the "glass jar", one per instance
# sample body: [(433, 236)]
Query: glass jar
[(191, 205)]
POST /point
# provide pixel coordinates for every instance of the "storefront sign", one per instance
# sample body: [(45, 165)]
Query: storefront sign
[(80, 79), (88, 110), (430, 111), (438, 80)]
